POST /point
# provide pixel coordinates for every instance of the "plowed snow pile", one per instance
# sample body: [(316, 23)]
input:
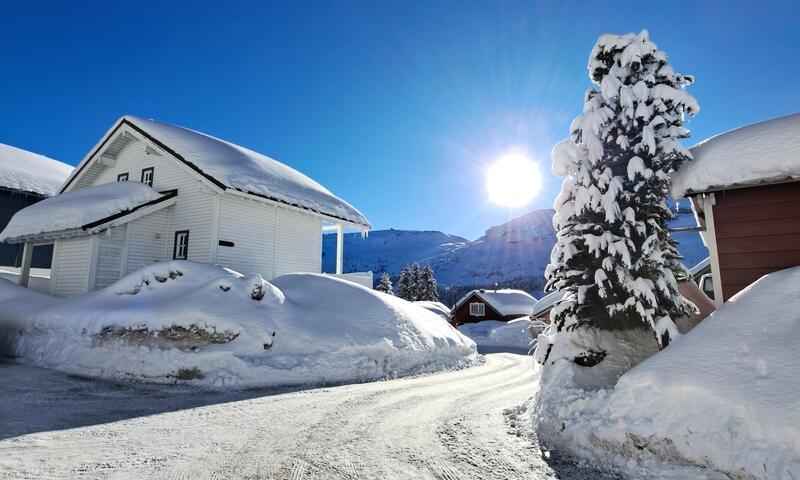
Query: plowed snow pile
[(725, 396), (203, 324)]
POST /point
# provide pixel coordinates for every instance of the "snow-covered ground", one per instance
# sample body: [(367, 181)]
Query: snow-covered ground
[(444, 426), (203, 324), (516, 335), (724, 396)]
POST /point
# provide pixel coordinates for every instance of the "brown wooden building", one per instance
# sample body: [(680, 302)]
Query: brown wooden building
[(745, 190), (503, 305)]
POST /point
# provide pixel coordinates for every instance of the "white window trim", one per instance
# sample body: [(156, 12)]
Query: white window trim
[(477, 309)]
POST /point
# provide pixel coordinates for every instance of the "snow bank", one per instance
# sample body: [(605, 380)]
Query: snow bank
[(517, 334), (438, 308), (763, 152), (73, 210), (724, 396), (30, 172), (215, 327)]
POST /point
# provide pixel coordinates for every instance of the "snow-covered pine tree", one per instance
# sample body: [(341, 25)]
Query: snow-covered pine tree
[(428, 287), (404, 284), (614, 252), (415, 289), (385, 284)]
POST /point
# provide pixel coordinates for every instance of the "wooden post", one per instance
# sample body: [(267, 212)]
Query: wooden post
[(25, 271), (339, 249), (711, 239)]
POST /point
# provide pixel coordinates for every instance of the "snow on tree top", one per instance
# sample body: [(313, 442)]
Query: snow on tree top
[(30, 172), (505, 301), (78, 208), (764, 152), (243, 169)]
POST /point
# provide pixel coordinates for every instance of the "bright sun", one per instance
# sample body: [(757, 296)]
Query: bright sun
[(513, 181)]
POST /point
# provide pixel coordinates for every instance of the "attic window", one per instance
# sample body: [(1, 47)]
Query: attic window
[(477, 310), (147, 176), (122, 177)]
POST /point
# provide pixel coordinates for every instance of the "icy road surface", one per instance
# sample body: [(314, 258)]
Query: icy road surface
[(444, 426)]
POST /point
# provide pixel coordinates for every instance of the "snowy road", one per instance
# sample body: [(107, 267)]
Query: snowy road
[(444, 426)]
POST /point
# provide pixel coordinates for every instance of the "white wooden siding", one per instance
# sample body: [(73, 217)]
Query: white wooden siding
[(147, 240), (109, 246), (299, 246), (250, 225), (195, 200), (72, 266)]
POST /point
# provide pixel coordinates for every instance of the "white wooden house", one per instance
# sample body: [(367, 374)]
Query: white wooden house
[(188, 196)]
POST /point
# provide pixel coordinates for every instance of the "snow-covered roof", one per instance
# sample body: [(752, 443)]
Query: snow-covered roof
[(548, 301), (232, 166), (765, 152), (83, 210), (702, 264), (30, 172), (505, 301)]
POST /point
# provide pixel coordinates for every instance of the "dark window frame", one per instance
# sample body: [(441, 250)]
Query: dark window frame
[(123, 177), (175, 246), (152, 171)]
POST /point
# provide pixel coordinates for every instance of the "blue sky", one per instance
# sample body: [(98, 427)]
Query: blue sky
[(397, 107)]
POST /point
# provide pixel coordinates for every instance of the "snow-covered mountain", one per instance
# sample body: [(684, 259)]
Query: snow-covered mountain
[(513, 254)]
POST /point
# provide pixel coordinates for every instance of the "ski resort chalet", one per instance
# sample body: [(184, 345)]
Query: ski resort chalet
[(744, 186), (503, 305), (25, 178), (150, 192)]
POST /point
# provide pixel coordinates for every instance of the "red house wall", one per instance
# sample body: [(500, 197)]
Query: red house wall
[(757, 231)]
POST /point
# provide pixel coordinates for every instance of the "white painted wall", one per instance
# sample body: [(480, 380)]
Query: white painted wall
[(109, 245), (148, 240), (250, 225), (299, 243), (196, 201), (71, 269)]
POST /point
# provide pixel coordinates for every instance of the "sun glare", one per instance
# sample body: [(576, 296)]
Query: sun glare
[(513, 181)]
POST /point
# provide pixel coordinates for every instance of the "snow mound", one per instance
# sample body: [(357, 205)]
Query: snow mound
[(723, 397), (518, 334), (760, 153), (78, 208), (30, 172), (200, 323), (438, 308)]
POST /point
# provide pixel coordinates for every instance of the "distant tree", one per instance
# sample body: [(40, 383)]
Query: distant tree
[(427, 287), (385, 284), (404, 284), (415, 290)]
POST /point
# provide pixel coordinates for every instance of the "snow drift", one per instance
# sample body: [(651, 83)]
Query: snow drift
[(724, 396), (212, 326)]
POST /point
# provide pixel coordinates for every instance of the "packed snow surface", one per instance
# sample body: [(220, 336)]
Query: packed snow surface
[(760, 153), (517, 335), (74, 209), (724, 396), (248, 171), (200, 323), (505, 301), (30, 172)]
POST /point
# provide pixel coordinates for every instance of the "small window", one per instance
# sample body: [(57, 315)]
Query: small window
[(122, 177), (477, 310), (181, 249), (147, 176)]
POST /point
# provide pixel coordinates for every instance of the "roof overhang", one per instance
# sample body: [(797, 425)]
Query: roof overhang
[(100, 225)]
